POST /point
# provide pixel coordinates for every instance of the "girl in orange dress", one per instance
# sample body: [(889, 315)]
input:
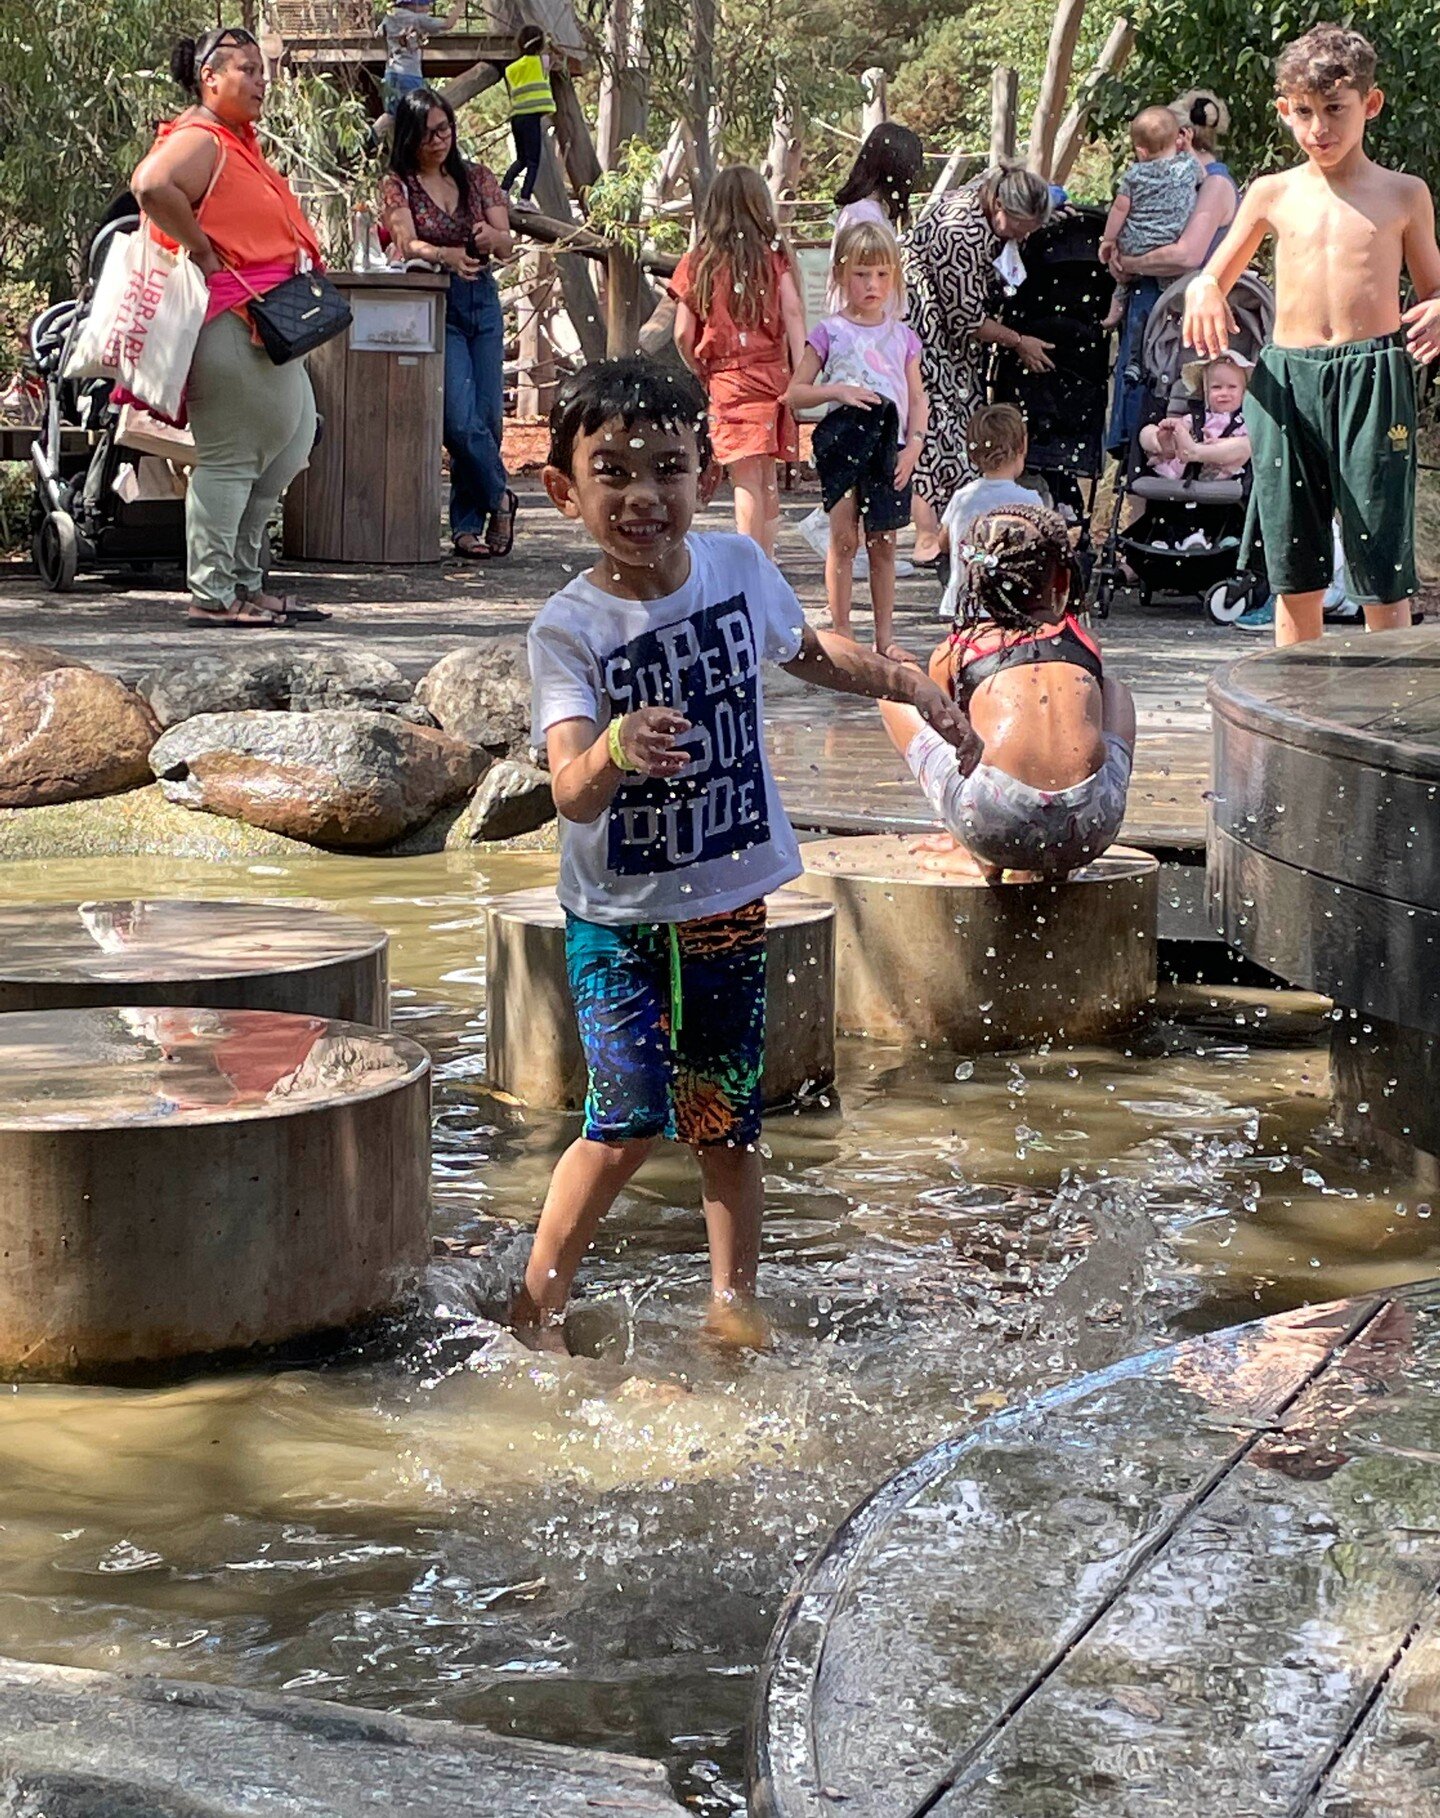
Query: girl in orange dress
[(740, 327)]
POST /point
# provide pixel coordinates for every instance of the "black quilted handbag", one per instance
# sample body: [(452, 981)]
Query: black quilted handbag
[(299, 315)]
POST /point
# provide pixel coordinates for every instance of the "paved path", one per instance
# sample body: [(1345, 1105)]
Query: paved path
[(1204, 1581), (837, 766)]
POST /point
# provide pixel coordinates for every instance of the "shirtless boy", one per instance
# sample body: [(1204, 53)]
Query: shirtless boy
[(1331, 409)]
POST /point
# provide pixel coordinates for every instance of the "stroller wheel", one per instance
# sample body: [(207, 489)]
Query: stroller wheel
[(1226, 602), (57, 551)]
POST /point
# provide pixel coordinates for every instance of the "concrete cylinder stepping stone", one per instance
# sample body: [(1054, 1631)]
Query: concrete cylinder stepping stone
[(227, 955), (925, 956), (179, 1185), (533, 1044)]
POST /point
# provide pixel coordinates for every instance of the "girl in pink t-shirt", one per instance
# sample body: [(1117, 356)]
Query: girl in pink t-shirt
[(863, 366)]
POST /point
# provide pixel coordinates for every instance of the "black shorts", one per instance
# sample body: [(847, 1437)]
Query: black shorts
[(855, 451)]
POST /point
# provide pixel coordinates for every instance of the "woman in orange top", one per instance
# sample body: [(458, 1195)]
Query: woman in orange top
[(205, 186), (740, 327)]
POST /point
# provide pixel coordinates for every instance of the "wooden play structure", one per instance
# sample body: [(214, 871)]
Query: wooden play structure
[(580, 294)]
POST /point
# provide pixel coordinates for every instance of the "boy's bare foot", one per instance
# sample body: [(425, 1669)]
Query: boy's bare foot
[(944, 855), (735, 1321)]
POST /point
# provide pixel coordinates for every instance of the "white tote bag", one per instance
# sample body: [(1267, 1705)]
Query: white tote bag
[(147, 340)]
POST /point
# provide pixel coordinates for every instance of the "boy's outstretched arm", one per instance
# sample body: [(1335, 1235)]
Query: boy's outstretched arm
[(829, 661), (1422, 261), (1209, 321)]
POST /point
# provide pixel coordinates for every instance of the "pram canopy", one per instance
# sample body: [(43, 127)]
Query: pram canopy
[(1063, 300)]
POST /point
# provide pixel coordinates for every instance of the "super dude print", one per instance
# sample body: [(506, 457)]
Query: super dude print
[(706, 667)]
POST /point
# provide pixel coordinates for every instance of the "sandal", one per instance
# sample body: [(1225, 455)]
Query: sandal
[(474, 548), (501, 542), (290, 608), (244, 615)]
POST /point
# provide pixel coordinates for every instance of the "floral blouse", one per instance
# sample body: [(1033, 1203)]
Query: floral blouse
[(433, 223)]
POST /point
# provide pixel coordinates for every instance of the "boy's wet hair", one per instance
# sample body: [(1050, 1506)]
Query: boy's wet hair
[(996, 437), (629, 391), (1154, 129), (1326, 58), (1012, 563)]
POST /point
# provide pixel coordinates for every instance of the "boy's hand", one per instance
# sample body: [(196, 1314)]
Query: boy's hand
[(859, 395), (1209, 321), (937, 709), (905, 466), (648, 739), (1423, 323)]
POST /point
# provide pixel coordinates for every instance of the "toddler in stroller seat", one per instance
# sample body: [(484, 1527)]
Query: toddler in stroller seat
[(1206, 439)]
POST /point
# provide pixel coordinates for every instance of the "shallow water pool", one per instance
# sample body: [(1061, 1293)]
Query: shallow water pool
[(592, 1550)]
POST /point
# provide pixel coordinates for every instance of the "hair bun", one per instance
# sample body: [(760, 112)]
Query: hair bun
[(1204, 111), (182, 64)]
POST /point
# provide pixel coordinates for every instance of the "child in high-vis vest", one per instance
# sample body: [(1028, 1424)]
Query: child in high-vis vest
[(527, 83)]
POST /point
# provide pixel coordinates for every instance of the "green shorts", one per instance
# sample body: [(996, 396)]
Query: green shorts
[(1332, 429)]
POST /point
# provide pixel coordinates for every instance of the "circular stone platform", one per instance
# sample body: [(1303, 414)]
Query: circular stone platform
[(921, 956), (227, 955), (533, 1044), (177, 1184), (1324, 866), (1199, 1582)]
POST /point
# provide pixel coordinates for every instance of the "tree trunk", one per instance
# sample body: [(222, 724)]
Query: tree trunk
[(1110, 62), (1054, 85), (787, 148), (572, 134), (582, 304), (1004, 91), (535, 388), (702, 100), (874, 86), (469, 83), (623, 85), (623, 279), (958, 166)]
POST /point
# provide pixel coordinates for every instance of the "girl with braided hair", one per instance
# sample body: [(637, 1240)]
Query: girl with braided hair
[(1048, 794)]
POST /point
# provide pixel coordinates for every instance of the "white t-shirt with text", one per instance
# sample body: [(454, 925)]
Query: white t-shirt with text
[(716, 836)]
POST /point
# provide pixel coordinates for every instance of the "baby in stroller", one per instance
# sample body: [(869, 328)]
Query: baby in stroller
[(1206, 438)]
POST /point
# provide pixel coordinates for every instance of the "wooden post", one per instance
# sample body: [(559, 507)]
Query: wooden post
[(958, 167), (1054, 85), (787, 146), (623, 279), (535, 389), (874, 87), (1110, 62), (1004, 92)]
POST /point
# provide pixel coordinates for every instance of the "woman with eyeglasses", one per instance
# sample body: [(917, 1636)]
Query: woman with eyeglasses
[(436, 206), (205, 186)]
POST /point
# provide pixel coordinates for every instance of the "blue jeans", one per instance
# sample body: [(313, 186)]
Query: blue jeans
[(1130, 390), (397, 85), (474, 402)]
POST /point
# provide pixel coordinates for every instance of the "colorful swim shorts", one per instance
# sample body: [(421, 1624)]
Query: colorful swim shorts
[(672, 1020)]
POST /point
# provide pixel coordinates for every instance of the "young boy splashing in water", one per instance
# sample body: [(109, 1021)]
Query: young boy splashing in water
[(1332, 403), (1059, 734), (647, 680)]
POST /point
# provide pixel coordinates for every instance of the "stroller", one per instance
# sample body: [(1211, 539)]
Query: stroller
[(1187, 542), (1063, 300), (77, 516)]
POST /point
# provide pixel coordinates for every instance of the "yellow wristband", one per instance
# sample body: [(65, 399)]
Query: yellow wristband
[(615, 749)]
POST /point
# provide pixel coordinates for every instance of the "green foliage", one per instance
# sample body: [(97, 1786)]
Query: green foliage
[(81, 84), (618, 205), (319, 135), (1230, 47)]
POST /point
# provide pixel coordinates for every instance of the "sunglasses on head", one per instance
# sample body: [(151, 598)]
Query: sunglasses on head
[(233, 37)]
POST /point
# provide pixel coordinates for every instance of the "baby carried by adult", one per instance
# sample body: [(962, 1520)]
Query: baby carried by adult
[(1059, 734), (1156, 197)]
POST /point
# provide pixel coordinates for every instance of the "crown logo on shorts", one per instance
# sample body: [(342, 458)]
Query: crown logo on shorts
[(1399, 434)]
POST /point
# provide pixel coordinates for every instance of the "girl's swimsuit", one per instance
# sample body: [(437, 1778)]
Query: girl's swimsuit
[(1001, 820)]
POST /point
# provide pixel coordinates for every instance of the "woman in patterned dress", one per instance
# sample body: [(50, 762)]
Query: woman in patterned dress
[(950, 275)]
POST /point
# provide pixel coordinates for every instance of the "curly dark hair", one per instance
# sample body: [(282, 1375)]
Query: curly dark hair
[(1014, 563)]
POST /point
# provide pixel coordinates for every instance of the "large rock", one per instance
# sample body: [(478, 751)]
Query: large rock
[(66, 731), (481, 693), (332, 779), (80, 1744), (228, 681), (513, 799)]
